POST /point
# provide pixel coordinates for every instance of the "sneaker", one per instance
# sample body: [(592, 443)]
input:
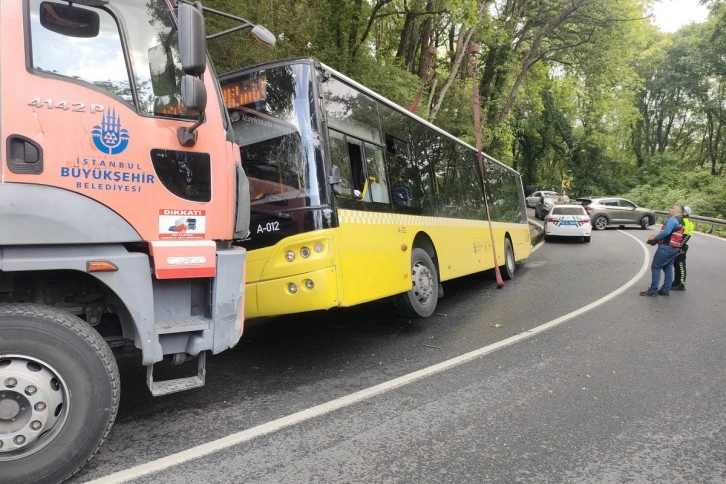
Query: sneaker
[(679, 287), (661, 292), (648, 293)]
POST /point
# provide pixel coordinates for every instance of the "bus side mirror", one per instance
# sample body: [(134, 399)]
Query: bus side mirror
[(261, 34), (335, 180)]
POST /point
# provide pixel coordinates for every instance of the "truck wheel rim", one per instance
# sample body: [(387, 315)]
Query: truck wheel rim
[(34, 404)]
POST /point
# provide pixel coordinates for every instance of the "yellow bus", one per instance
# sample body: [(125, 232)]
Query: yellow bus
[(355, 199)]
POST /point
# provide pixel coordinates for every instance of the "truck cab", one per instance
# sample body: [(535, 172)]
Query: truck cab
[(107, 141)]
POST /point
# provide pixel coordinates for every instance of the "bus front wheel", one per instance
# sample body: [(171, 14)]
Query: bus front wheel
[(420, 301), (59, 392)]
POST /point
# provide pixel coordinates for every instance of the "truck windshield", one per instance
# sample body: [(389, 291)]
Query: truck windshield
[(134, 54), (273, 115)]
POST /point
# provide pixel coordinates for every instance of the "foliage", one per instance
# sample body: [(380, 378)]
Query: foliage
[(584, 90), (666, 180)]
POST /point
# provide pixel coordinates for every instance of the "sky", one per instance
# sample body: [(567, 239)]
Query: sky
[(670, 15)]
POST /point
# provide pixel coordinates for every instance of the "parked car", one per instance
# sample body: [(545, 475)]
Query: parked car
[(532, 200), (544, 205), (565, 220), (605, 211)]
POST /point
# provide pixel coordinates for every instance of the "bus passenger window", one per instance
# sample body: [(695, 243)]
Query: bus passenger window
[(402, 196), (377, 177), (357, 170), (349, 158)]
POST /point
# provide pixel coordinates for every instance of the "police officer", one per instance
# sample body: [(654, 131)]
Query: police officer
[(679, 263)]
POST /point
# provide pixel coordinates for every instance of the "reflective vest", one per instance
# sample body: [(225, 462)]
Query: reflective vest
[(675, 238), (688, 228)]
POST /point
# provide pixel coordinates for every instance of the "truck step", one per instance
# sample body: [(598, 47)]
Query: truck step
[(165, 387), (199, 323)]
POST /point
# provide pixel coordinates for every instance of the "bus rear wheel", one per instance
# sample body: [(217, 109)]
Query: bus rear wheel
[(59, 393), (420, 301), (510, 264)]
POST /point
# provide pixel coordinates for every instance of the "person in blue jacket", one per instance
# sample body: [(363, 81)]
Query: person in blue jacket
[(668, 241)]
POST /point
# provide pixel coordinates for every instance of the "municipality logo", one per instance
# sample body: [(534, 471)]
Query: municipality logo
[(108, 137)]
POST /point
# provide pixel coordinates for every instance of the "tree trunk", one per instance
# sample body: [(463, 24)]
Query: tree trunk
[(405, 35), (462, 45), (354, 24), (425, 40)]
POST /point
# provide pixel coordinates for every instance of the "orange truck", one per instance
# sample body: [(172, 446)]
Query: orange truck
[(106, 141)]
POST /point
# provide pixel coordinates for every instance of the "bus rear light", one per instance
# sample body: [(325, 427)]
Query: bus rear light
[(292, 288), (304, 252), (290, 256), (309, 284), (318, 247)]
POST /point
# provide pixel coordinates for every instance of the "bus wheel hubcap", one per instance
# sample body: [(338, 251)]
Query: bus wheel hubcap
[(423, 282)]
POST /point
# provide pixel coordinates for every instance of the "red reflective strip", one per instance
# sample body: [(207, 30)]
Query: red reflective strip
[(184, 258), (186, 272)]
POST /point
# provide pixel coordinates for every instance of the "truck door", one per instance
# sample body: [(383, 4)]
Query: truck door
[(95, 111)]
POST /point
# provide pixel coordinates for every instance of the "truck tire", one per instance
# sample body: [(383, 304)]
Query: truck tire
[(421, 300), (59, 393)]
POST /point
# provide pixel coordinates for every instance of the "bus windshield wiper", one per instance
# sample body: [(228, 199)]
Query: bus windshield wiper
[(286, 215), (271, 213)]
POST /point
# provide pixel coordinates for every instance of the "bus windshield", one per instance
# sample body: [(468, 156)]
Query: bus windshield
[(273, 115)]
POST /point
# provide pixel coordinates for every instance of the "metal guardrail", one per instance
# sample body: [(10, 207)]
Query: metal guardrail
[(707, 223)]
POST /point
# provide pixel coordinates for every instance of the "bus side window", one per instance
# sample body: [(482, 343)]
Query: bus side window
[(357, 170), (339, 157), (377, 177), (348, 157)]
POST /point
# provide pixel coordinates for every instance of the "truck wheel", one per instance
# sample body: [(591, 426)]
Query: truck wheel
[(420, 301), (507, 270), (59, 393)]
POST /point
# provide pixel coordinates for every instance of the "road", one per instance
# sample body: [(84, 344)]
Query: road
[(617, 388)]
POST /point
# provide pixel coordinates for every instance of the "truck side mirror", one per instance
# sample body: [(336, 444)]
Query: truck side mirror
[(193, 49), (192, 39), (194, 94)]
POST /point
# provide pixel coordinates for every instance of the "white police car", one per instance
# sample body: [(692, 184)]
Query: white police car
[(566, 220)]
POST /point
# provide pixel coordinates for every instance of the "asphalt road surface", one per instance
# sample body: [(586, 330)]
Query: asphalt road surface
[(614, 387)]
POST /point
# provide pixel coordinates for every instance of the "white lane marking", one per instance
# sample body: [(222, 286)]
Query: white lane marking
[(319, 410)]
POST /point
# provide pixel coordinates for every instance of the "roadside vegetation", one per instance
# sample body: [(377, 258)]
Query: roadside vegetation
[(583, 90)]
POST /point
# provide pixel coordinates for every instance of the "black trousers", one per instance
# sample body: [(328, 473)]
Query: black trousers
[(679, 267)]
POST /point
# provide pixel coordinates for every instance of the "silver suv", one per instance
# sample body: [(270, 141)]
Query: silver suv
[(605, 211)]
